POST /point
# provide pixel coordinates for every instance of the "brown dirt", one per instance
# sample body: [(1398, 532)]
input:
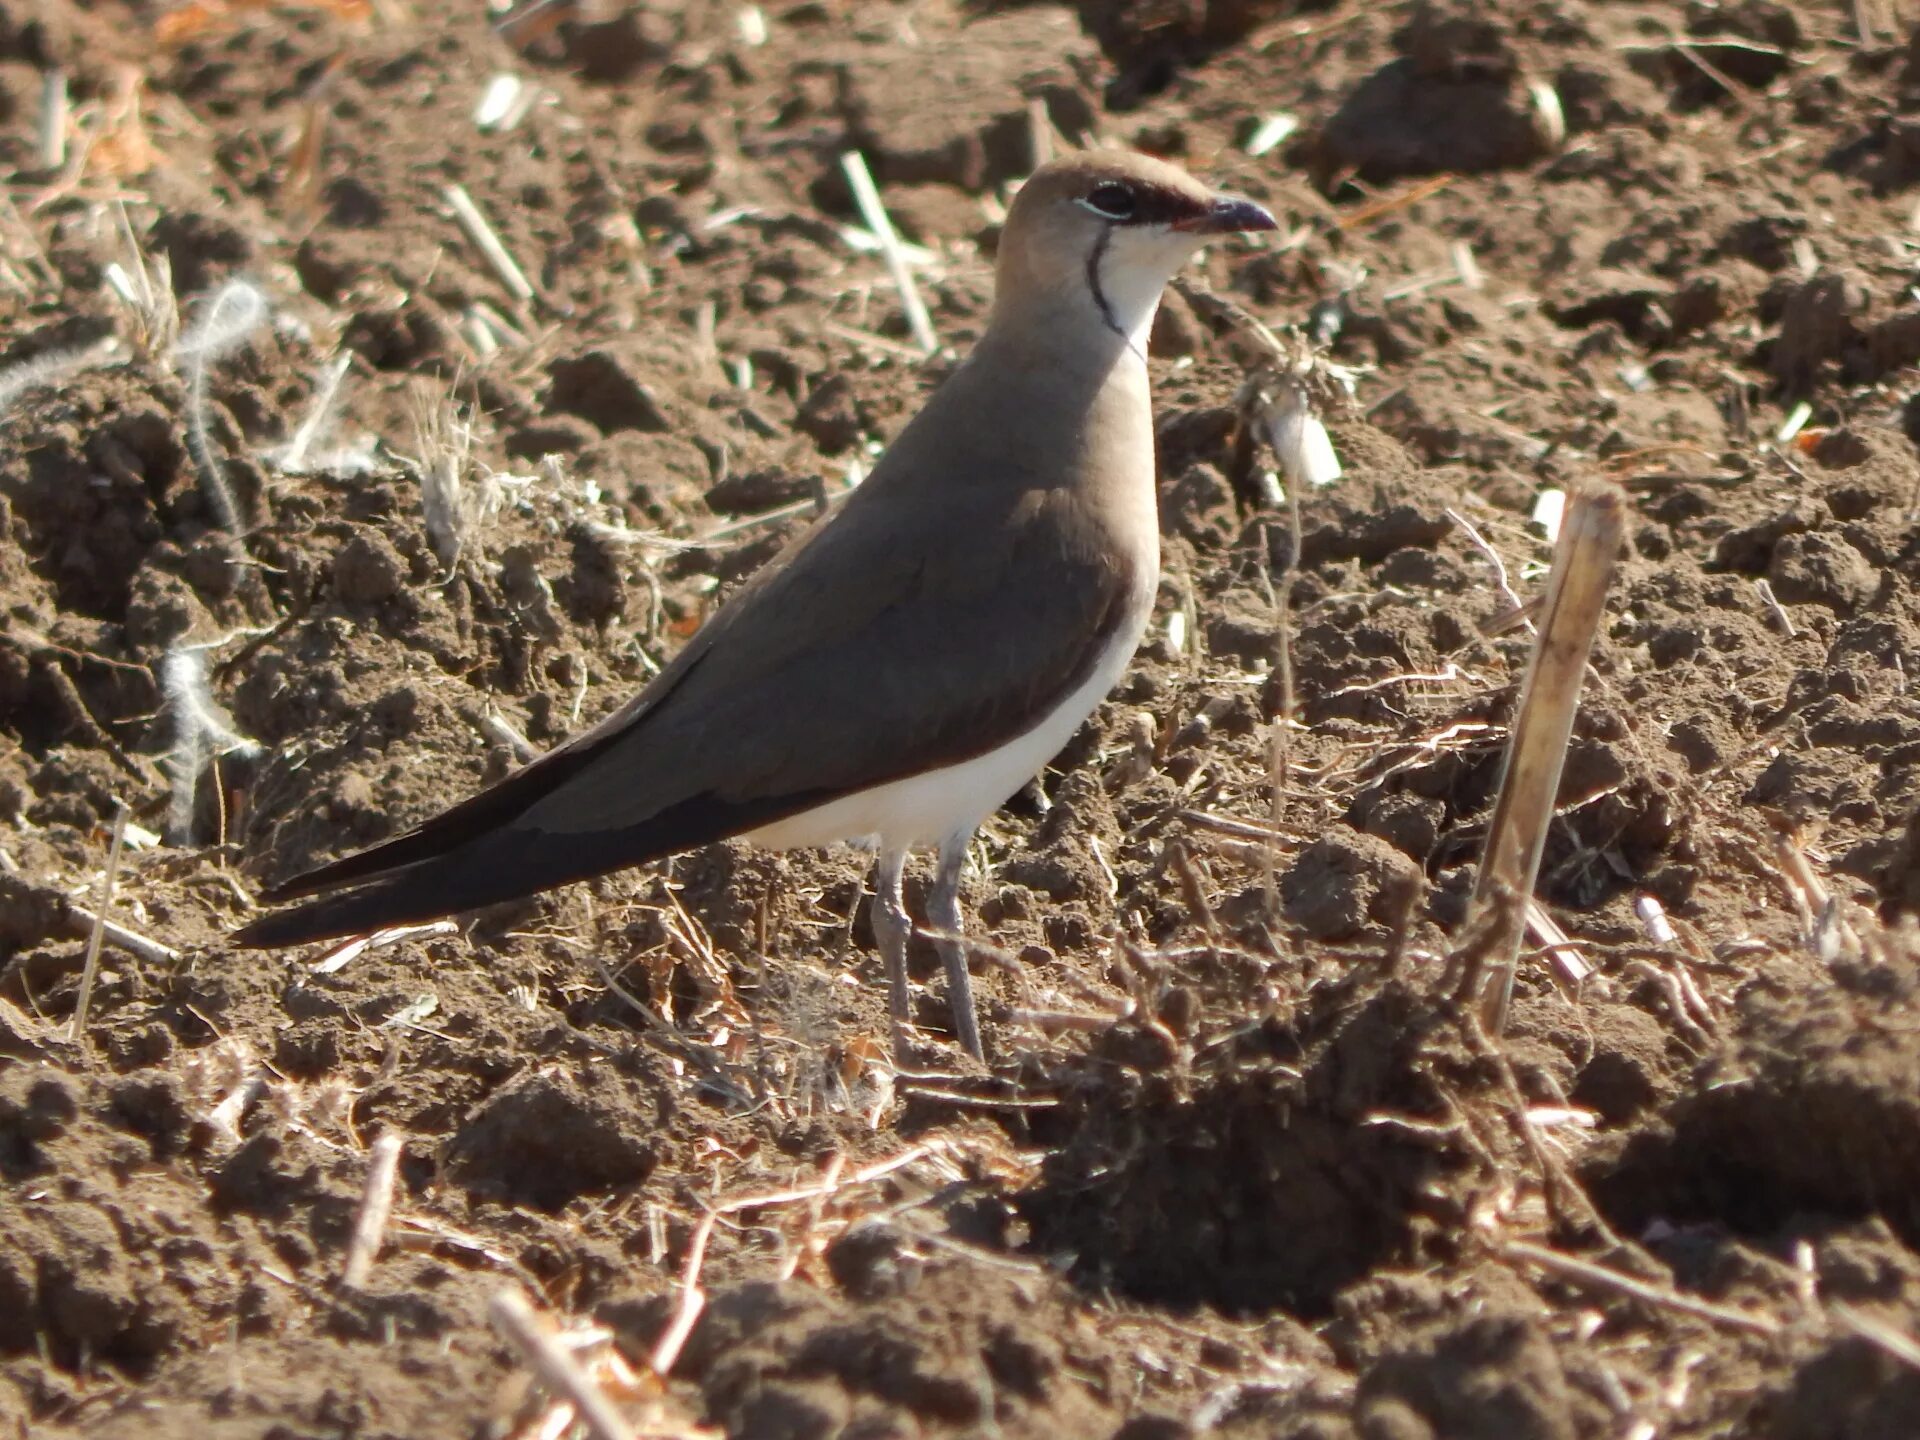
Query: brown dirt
[(1279, 1195)]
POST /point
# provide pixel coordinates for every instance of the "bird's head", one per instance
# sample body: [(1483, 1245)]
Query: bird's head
[(1102, 232)]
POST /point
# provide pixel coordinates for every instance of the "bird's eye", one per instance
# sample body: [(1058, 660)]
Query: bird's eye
[(1112, 200)]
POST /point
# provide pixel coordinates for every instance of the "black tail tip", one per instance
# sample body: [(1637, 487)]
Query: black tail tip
[(255, 934), (278, 929)]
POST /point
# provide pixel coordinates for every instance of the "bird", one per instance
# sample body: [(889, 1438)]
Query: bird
[(916, 656)]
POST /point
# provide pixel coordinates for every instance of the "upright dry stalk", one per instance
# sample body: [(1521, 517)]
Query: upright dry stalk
[(234, 313), (867, 196), (91, 969), (1283, 400), (145, 285), (1570, 615), (1280, 752)]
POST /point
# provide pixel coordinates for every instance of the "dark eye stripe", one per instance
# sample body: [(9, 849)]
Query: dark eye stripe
[(1134, 203)]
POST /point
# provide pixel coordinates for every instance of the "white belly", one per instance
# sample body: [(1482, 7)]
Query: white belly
[(949, 803)]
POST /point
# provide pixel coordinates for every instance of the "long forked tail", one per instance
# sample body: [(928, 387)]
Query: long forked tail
[(504, 863), (486, 872), (394, 901)]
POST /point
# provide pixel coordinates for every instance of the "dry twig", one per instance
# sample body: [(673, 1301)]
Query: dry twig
[(1571, 613), (515, 1319)]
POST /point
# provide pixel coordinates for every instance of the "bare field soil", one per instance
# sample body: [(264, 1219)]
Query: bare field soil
[(1237, 1168)]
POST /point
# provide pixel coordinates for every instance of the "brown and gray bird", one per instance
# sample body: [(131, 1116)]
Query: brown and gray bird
[(918, 655)]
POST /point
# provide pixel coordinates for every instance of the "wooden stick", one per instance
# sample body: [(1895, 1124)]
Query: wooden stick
[(376, 1204), (867, 196), (82, 921), (1570, 615), (92, 968), (515, 1319), (1586, 1272)]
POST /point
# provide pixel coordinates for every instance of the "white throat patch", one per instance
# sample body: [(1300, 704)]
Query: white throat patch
[(1129, 271)]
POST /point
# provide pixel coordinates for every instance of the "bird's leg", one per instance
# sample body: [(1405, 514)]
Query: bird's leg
[(943, 912), (891, 928)]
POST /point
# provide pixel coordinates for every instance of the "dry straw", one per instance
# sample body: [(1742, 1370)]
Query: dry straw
[(91, 970), (1570, 616)]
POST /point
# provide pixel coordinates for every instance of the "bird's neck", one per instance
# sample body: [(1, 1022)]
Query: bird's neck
[(1075, 338), (1058, 395)]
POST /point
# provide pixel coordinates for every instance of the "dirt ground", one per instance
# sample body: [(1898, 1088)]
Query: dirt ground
[(1237, 1167)]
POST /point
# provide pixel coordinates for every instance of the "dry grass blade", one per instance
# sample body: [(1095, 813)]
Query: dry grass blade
[(1560, 950), (305, 177), (1387, 204), (693, 1299), (1571, 612), (295, 458), (145, 285), (199, 18), (91, 970)]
